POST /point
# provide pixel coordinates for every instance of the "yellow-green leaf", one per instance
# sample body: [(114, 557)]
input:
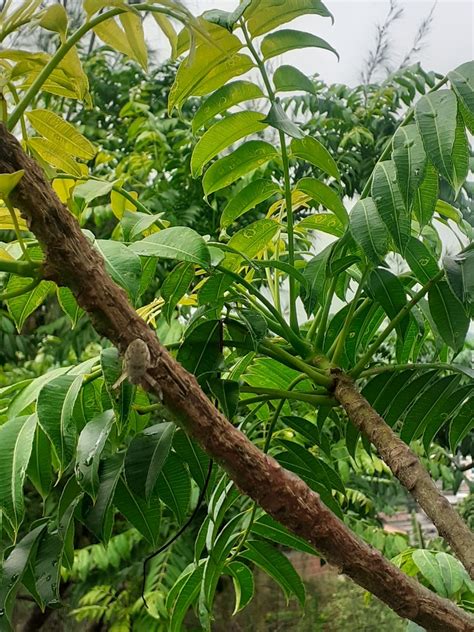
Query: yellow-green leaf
[(287, 39), (48, 151), (250, 241), (133, 27), (20, 307), (111, 34), (6, 222), (168, 29), (61, 133), (311, 150), (55, 19), (8, 182)]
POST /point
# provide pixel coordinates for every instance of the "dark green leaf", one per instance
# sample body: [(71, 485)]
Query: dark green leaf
[(145, 458), (227, 393), (144, 516), (462, 81), (242, 578), (174, 486), (278, 119), (175, 286), (388, 290), (410, 161), (324, 195), (39, 467), (389, 203), (270, 529), (99, 518), (448, 314), (201, 353), (369, 230), (275, 564), (426, 196), (89, 450), (421, 261), (462, 423)]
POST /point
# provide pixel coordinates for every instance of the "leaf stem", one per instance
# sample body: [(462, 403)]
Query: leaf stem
[(341, 338), (325, 314), (415, 366), (21, 268), (359, 367), (277, 352)]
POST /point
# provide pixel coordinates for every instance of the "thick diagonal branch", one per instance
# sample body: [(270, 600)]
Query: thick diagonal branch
[(71, 260), (407, 467)]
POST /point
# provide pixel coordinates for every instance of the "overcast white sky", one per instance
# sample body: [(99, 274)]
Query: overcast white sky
[(449, 43)]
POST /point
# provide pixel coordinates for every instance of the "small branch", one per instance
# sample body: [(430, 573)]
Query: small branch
[(21, 268), (358, 368), (406, 466), (415, 366)]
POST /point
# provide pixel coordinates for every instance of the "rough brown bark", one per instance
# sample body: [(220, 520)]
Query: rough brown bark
[(407, 467), (72, 261)]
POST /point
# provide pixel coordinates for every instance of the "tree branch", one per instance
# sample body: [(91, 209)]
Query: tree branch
[(406, 466), (72, 261)]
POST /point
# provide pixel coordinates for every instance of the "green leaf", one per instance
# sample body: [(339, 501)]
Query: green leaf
[(265, 15), (452, 573), (195, 458), (167, 27), (64, 135), (267, 527), (460, 156), (243, 160), (145, 458), (99, 518), (121, 398), (288, 39), (315, 153), (429, 568), (30, 393), (179, 243), (227, 68), (462, 423), (410, 161), (277, 566), (188, 591), (445, 412), (222, 134), (250, 241), (462, 81), (242, 578), (49, 557), (368, 230), (69, 305), (426, 196), (321, 471), (435, 115), (39, 467), (122, 264), (247, 199), (145, 517), (388, 290), (227, 393), (175, 286), (421, 261), (448, 314), (316, 275), (89, 190), (427, 407), (447, 210), (16, 442), (397, 407), (324, 195), (389, 203), (8, 182), (55, 406), (223, 99), (290, 79), (200, 353), (278, 119), (174, 486), (324, 222), (22, 306), (89, 451), (12, 571), (54, 18), (214, 289)]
